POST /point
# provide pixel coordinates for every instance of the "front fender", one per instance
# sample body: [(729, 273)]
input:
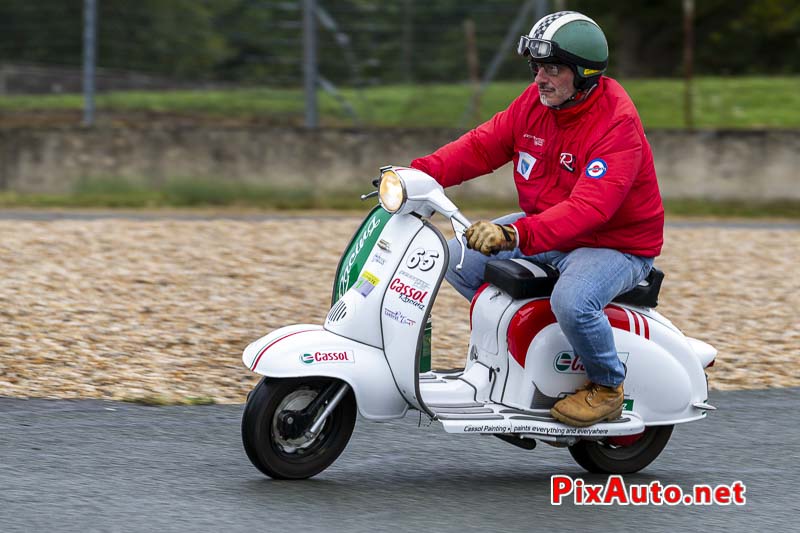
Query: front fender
[(310, 350)]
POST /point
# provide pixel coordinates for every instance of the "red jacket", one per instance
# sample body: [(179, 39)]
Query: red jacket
[(584, 175)]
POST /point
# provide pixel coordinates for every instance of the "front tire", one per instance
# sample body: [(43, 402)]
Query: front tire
[(602, 457), (285, 457)]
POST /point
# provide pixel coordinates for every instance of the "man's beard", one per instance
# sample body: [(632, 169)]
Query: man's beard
[(547, 97)]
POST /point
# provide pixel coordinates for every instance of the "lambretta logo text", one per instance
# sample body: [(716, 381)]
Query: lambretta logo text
[(408, 294), (328, 357), (371, 227)]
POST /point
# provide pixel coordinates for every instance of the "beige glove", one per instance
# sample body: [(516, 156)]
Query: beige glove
[(489, 238)]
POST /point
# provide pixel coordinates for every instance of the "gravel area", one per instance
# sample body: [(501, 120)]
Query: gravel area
[(160, 310)]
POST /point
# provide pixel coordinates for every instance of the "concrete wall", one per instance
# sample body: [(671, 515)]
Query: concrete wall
[(718, 165)]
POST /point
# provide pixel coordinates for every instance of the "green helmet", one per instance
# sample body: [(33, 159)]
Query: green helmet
[(570, 38)]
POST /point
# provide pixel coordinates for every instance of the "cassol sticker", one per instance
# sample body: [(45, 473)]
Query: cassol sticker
[(345, 356), (568, 363), (408, 294)]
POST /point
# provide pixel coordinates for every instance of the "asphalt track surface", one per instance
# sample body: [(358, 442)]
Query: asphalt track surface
[(92, 465)]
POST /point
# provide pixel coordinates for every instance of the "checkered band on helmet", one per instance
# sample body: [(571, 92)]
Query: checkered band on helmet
[(539, 29)]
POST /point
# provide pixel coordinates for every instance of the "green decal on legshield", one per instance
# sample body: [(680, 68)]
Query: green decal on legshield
[(357, 252)]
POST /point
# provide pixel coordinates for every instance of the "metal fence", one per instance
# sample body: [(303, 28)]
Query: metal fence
[(333, 48), (260, 41), (57, 46)]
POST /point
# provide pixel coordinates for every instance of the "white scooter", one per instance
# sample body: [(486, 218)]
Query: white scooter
[(367, 356)]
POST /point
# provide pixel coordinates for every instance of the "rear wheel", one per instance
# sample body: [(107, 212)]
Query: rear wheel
[(622, 455), (285, 451)]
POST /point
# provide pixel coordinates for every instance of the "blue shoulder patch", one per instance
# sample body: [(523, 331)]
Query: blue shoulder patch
[(596, 168)]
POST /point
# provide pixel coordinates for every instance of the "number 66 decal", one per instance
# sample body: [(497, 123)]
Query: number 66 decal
[(422, 259)]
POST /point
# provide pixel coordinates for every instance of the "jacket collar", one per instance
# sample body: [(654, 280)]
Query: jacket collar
[(572, 114)]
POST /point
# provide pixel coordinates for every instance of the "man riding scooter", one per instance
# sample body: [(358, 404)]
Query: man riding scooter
[(587, 188)]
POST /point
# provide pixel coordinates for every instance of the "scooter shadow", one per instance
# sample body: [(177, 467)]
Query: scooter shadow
[(464, 495), (437, 483)]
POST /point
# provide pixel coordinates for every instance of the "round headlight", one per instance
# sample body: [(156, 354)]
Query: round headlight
[(392, 192)]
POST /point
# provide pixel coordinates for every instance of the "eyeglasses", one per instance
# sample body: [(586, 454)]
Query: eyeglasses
[(551, 69)]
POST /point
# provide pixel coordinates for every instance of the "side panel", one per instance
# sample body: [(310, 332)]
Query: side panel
[(657, 386), (664, 377), (309, 350)]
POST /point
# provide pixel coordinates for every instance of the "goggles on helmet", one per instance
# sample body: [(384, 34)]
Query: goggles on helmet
[(537, 48)]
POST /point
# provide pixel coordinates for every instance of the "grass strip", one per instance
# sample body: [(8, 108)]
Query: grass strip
[(719, 102)]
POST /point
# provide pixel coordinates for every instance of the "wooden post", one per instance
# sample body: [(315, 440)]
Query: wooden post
[(89, 59), (408, 41), (688, 62), (473, 66), (310, 74)]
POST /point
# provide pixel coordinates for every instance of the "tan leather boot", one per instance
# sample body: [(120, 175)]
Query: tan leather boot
[(589, 405)]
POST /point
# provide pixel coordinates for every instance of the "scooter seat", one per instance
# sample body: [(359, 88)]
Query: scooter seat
[(523, 278)]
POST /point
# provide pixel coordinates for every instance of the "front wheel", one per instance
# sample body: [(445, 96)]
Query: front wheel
[(621, 455), (282, 451)]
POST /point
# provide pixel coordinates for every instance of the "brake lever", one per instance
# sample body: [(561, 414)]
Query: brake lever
[(375, 183), (460, 237), (460, 225), (369, 195)]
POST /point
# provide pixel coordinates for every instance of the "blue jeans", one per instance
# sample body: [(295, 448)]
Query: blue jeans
[(589, 279)]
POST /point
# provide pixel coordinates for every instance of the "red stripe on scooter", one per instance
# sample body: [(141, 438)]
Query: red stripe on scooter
[(531, 318), (475, 299), (642, 327), (617, 317), (273, 343)]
